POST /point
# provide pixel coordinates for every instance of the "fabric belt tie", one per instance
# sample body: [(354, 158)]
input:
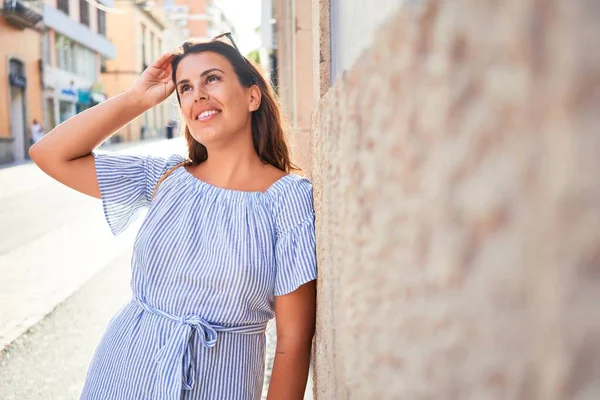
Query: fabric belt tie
[(176, 368)]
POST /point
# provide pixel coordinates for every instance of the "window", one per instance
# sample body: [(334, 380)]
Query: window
[(101, 22), (15, 67), (73, 57), (64, 53), (162, 115), (63, 5), (84, 12), (85, 62), (151, 46), (49, 117), (45, 48), (143, 47), (66, 110), (155, 120)]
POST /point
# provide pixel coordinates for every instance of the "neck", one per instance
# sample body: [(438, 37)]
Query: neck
[(233, 162)]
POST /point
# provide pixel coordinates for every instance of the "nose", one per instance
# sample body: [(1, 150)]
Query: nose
[(200, 94)]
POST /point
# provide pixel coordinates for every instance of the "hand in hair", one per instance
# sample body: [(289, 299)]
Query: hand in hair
[(154, 84)]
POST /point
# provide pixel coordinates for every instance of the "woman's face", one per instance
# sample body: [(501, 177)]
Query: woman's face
[(214, 104)]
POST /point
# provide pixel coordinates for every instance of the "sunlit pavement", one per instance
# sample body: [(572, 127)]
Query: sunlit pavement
[(52, 240)]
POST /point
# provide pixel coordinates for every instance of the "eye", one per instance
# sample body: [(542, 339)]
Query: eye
[(184, 88), (213, 78)]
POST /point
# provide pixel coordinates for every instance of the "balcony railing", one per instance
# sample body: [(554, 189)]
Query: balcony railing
[(23, 13)]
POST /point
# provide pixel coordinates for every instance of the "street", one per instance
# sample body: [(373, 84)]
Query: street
[(63, 277), (52, 240)]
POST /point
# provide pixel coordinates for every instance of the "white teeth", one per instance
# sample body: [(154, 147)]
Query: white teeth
[(207, 113)]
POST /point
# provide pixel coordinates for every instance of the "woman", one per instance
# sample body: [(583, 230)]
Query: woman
[(227, 243)]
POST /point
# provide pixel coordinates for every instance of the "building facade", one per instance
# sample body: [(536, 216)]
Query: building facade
[(21, 27), (200, 18), (178, 14), (217, 21), (174, 34), (74, 47), (196, 16), (138, 34), (286, 57)]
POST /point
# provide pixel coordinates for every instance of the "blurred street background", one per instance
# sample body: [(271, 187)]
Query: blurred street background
[(453, 147)]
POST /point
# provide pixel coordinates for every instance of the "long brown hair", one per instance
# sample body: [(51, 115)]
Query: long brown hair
[(268, 134)]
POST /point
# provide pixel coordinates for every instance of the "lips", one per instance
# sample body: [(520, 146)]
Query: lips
[(206, 112)]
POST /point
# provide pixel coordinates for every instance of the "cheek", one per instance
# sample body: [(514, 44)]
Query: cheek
[(237, 106), (185, 104), (231, 98)]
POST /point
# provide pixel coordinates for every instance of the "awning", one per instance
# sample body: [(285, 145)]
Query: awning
[(83, 96), (98, 97)]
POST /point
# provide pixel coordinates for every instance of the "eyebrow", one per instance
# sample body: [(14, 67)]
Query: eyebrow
[(208, 71)]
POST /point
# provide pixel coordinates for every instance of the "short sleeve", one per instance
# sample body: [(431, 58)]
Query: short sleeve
[(295, 249), (126, 184)]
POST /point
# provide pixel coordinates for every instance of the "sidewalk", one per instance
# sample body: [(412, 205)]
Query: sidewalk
[(53, 240)]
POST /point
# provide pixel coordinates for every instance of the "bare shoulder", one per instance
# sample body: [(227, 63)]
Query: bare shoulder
[(272, 174)]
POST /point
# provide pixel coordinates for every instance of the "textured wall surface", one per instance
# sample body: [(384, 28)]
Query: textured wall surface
[(455, 169), (352, 27)]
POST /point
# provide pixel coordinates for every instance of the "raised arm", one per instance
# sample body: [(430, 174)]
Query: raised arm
[(65, 153)]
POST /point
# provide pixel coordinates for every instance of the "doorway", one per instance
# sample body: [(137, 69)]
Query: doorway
[(18, 111)]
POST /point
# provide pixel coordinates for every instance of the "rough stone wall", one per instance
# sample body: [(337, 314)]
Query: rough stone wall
[(455, 169)]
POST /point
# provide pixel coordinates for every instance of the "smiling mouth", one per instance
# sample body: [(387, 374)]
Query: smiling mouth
[(207, 115)]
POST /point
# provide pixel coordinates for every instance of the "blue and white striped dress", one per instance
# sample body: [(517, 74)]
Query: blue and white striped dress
[(206, 265)]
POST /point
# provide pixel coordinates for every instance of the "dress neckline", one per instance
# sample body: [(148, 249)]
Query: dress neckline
[(233, 192)]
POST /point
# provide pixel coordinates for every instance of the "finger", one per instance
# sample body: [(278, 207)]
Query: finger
[(169, 87), (162, 60), (164, 71)]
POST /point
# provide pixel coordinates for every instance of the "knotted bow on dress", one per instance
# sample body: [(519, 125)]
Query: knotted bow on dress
[(176, 367)]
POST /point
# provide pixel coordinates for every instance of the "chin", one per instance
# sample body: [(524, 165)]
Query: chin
[(206, 136)]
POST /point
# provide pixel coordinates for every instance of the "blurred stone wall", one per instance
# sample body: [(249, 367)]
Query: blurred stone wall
[(455, 168)]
